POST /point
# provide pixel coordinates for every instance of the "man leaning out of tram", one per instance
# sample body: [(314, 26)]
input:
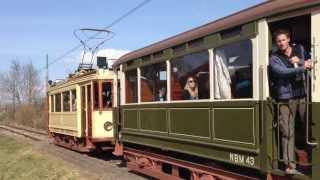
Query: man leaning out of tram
[(288, 66)]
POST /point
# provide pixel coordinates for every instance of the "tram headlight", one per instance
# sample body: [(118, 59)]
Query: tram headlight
[(108, 126)]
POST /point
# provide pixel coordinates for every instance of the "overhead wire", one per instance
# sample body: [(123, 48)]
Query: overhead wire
[(116, 21)]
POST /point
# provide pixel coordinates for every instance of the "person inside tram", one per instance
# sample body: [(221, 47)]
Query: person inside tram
[(107, 97), (162, 94), (190, 91), (288, 65)]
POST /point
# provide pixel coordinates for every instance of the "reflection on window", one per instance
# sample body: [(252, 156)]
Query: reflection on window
[(66, 101), (106, 95), (95, 95), (58, 102), (73, 100), (52, 103), (154, 82), (190, 77), (233, 71), (131, 86)]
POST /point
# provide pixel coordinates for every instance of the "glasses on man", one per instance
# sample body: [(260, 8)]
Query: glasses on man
[(191, 81)]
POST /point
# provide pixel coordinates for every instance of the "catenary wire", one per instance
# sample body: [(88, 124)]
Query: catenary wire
[(116, 21)]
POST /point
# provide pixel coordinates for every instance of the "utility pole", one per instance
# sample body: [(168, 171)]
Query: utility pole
[(46, 104), (47, 72)]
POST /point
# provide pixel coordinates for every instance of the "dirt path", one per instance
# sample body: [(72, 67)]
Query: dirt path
[(97, 166)]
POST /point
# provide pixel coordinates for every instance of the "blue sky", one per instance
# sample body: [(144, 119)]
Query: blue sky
[(30, 29)]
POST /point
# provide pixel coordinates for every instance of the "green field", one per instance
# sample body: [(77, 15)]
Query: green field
[(19, 160)]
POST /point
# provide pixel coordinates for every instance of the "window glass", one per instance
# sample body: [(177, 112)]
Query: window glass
[(233, 71), (66, 101), (190, 77), (131, 86), (106, 95), (74, 100), (95, 95), (52, 103), (154, 82), (58, 102)]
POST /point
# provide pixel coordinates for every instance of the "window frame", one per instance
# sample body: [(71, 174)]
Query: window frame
[(100, 103), (71, 105), (55, 102), (255, 72), (67, 92), (112, 95), (255, 76), (166, 84), (186, 54), (52, 103), (125, 85)]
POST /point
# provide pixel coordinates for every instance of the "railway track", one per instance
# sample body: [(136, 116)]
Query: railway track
[(36, 135)]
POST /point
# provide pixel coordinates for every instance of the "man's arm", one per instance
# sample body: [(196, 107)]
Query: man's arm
[(283, 71)]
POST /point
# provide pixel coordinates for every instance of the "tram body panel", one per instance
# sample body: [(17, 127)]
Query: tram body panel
[(99, 120)]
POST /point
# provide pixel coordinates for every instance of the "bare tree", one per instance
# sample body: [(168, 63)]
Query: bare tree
[(20, 89), (31, 84), (9, 82)]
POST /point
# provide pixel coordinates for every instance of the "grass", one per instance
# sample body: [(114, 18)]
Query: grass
[(19, 160)]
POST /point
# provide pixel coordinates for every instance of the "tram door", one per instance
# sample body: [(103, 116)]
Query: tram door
[(305, 31), (86, 109)]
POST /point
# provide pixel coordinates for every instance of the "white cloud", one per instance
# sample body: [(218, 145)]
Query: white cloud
[(111, 54)]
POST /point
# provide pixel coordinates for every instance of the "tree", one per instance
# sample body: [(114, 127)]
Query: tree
[(31, 84)]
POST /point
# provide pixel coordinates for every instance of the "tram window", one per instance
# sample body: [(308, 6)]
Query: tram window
[(74, 100), (58, 102), (52, 103), (131, 86), (190, 77), (233, 71), (95, 95), (106, 95), (154, 82), (66, 101)]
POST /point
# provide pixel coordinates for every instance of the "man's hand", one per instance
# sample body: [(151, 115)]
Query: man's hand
[(294, 60), (308, 64)]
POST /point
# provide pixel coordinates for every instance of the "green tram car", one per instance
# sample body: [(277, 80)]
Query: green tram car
[(80, 110), (232, 130)]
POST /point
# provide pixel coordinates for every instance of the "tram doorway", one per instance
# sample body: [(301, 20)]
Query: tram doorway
[(299, 28)]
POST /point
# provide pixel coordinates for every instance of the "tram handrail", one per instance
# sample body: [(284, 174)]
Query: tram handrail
[(307, 110)]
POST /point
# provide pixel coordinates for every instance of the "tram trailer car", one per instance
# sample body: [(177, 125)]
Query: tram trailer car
[(80, 110), (232, 129)]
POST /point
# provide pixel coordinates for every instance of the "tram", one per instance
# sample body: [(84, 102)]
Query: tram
[(80, 109), (231, 129)]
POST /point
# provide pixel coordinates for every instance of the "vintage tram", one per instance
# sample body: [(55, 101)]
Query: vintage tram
[(80, 109), (231, 130)]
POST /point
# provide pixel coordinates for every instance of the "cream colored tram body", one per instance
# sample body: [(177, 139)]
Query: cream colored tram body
[(80, 111)]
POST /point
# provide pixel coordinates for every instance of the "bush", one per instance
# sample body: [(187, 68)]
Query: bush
[(31, 116)]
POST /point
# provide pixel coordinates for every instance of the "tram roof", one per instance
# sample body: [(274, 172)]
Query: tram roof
[(265, 9)]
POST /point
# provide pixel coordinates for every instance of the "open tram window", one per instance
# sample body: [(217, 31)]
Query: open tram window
[(233, 71), (66, 101), (74, 100), (190, 77), (96, 95), (51, 103), (58, 102), (106, 95), (131, 85), (154, 82)]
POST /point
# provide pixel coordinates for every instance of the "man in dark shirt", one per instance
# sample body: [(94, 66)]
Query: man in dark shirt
[(288, 66)]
